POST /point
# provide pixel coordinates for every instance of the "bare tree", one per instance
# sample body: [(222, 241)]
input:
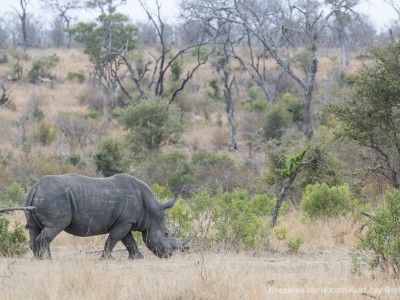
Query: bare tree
[(23, 18), (302, 23), (165, 58), (64, 8)]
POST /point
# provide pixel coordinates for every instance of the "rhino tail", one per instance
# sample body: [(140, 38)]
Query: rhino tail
[(31, 217)]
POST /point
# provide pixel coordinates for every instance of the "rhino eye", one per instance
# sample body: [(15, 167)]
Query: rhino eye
[(166, 234)]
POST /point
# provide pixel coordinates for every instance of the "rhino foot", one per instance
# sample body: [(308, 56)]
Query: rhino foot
[(137, 255)]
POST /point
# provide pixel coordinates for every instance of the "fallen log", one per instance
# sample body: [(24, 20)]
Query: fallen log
[(13, 208)]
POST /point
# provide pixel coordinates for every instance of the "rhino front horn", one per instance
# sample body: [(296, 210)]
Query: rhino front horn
[(186, 240)]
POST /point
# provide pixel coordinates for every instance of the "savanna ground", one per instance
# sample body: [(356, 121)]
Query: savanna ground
[(321, 268)]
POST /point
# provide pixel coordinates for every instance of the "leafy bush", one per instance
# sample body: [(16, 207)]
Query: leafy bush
[(321, 201), (181, 215), (109, 157), (281, 232), (46, 133), (151, 124), (12, 242), (79, 76), (14, 194), (383, 236), (294, 244), (3, 59), (41, 68)]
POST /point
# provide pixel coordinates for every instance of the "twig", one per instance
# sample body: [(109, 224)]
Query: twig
[(24, 208)]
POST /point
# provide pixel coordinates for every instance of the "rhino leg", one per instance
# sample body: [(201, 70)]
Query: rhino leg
[(117, 233), (41, 246), (131, 246)]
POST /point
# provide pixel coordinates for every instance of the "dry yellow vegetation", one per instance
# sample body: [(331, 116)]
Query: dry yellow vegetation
[(321, 269)]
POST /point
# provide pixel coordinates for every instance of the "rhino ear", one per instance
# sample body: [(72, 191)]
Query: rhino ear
[(168, 204), (174, 230)]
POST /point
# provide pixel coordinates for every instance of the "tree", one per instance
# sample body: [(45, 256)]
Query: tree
[(165, 59), (300, 23), (23, 17), (370, 115), (63, 8), (104, 40)]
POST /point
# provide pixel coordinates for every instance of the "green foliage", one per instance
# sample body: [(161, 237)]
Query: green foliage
[(13, 243), (215, 90), (151, 124), (109, 157), (181, 215), (15, 194), (294, 244), (41, 68), (46, 133), (178, 167), (176, 69), (321, 201), (281, 232), (4, 59), (282, 115), (79, 76), (293, 162), (383, 236), (236, 222), (370, 116), (108, 32)]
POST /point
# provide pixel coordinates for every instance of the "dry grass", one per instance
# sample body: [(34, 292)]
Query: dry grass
[(322, 268)]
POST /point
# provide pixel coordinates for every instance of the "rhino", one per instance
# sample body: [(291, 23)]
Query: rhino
[(85, 206)]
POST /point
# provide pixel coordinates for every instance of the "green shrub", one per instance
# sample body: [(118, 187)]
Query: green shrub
[(12, 242), (79, 76), (109, 157), (321, 201), (294, 244), (176, 69), (236, 222), (383, 236), (181, 215), (3, 59), (281, 232), (46, 133), (41, 68), (151, 124), (15, 194)]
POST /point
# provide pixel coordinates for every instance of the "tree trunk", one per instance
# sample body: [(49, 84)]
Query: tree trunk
[(286, 184)]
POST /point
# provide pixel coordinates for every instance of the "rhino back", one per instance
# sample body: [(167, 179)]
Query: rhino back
[(86, 206)]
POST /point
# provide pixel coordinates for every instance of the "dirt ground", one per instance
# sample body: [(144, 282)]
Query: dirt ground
[(76, 272)]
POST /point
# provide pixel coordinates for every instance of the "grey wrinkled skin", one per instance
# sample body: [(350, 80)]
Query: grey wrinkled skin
[(85, 206)]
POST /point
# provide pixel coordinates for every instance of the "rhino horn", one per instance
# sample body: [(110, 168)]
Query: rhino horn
[(186, 240), (168, 204)]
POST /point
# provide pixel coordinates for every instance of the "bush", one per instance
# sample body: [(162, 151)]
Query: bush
[(321, 201), (383, 236), (12, 242), (15, 194), (294, 244), (46, 133), (41, 68), (109, 157), (79, 76), (151, 124)]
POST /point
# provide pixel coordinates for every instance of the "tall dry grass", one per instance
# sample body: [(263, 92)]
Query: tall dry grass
[(322, 268)]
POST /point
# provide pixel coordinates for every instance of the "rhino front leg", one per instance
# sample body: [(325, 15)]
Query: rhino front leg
[(117, 233), (131, 246)]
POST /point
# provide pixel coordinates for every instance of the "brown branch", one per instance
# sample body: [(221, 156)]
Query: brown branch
[(24, 208)]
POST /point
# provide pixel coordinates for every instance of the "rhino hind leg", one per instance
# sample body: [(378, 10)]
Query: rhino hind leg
[(41, 246), (132, 247)]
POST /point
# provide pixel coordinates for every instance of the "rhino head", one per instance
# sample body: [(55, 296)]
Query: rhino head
[(159, 238)]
